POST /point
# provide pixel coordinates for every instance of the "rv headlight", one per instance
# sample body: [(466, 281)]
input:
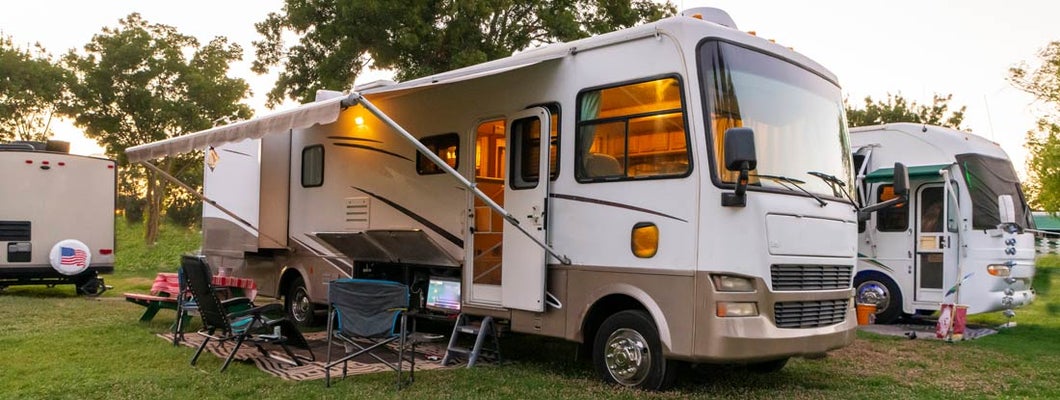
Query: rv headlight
[(999, 270), (729, 283), (736, 309)]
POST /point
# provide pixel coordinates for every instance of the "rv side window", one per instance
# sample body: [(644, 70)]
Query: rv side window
[(553, 141), (526, 143), (313, 166), (891, 219), (632, 131), (446, 147)]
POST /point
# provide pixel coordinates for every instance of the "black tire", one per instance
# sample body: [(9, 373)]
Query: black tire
[(627, 352), (766, 367), (88, 285), (877, 288), (300, 310)]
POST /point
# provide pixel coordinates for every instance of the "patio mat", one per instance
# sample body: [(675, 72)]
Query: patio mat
[(428, 357), (922, 329)]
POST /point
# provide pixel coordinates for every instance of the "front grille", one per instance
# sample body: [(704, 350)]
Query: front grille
[(14, 231), (794, 277), (810, 314)]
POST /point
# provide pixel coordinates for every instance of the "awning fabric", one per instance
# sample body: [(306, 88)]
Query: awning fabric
[(321, 112), (920, 171), (327, 111)]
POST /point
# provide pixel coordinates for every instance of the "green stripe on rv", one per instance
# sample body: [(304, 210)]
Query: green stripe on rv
[(920, 171)]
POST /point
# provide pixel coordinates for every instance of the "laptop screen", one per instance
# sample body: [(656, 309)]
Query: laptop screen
[(443, 294)]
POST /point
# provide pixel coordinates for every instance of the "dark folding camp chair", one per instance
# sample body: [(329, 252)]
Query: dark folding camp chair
[(368, 317), (238, 319)]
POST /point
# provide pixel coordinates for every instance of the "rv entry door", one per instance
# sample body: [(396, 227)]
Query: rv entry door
[(936, 246), (526, 198)]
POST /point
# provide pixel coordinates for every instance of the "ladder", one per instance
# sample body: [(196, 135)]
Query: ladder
[(480, 329)]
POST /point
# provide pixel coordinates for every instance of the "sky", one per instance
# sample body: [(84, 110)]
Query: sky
[(915, 48)]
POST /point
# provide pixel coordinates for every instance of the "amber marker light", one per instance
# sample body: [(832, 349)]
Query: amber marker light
[(644, 240)]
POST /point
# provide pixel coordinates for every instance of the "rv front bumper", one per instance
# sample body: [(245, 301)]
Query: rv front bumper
[(831, 324)]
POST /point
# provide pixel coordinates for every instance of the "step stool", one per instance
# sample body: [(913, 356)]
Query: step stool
[(466, 325)]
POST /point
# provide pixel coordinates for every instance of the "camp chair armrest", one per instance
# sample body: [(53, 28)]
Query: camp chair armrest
[(259, 310), (236, 302)]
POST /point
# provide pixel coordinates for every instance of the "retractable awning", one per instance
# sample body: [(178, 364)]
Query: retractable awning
[(327, 111), (321, 112), (919, 171)]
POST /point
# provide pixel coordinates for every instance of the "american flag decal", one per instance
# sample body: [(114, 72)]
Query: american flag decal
[(72, 256)]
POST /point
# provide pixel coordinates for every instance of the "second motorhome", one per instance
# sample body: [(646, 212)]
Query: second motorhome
[(665, 193), (961, 236)]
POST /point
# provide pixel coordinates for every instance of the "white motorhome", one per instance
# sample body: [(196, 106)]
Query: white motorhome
[(964, 219), (56, 216), (601, 191)]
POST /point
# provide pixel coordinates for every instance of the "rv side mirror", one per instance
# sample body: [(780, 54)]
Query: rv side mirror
[(901, 193), (901, 180), (1006, 209), (739, 156)]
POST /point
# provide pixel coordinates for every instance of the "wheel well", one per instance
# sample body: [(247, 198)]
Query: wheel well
[(864, 274), (285, 281), (603, 308)]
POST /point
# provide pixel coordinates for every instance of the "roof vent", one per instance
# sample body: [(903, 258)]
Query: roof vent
[(715, 15)]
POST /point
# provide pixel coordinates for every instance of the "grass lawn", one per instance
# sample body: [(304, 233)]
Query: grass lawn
[(56, 345)]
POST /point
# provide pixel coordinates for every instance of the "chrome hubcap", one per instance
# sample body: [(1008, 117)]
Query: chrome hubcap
[(872, 292), (301, 306), (627, 357)]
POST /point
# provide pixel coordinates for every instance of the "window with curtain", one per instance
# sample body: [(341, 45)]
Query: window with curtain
[(632, 131)]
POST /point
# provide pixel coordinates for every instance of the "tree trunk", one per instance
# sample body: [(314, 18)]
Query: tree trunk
[(155, 195)]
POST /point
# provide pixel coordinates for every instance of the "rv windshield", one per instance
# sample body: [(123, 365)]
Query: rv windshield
[(797, 117), (988, 178)]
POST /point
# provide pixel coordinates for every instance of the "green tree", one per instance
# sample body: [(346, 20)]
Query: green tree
[(142, 82), (31, 86), (897, 109), (1042, 80), (338, 39)]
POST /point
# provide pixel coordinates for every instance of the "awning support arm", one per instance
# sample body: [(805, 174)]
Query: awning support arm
[(205, 199), (356, 99)]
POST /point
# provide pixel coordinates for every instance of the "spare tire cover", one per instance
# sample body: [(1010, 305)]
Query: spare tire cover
[(70, 257)]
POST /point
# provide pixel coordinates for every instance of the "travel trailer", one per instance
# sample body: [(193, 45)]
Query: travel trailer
[(661, 194), (962, 236), (56, 216)]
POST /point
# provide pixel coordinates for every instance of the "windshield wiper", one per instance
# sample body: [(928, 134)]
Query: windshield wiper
[(835, 184), (794, 182)]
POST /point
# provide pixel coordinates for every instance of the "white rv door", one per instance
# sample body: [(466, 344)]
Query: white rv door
[(936, 246), (526, 198)]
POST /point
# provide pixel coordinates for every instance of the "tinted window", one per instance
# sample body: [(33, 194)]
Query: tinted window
[(446, 147), (891, 219), (313, 166)]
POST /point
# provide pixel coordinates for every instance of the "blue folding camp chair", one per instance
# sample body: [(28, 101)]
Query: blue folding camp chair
[(369, 317)]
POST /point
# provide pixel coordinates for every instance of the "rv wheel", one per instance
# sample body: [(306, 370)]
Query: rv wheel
[(299, 308), (627, 352), (876, 288)]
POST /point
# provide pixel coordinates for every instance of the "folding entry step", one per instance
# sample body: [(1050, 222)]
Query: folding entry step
[(466, 325)]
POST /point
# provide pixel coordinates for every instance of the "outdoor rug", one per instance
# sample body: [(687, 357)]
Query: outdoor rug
[(921, 329), (428, 356)]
